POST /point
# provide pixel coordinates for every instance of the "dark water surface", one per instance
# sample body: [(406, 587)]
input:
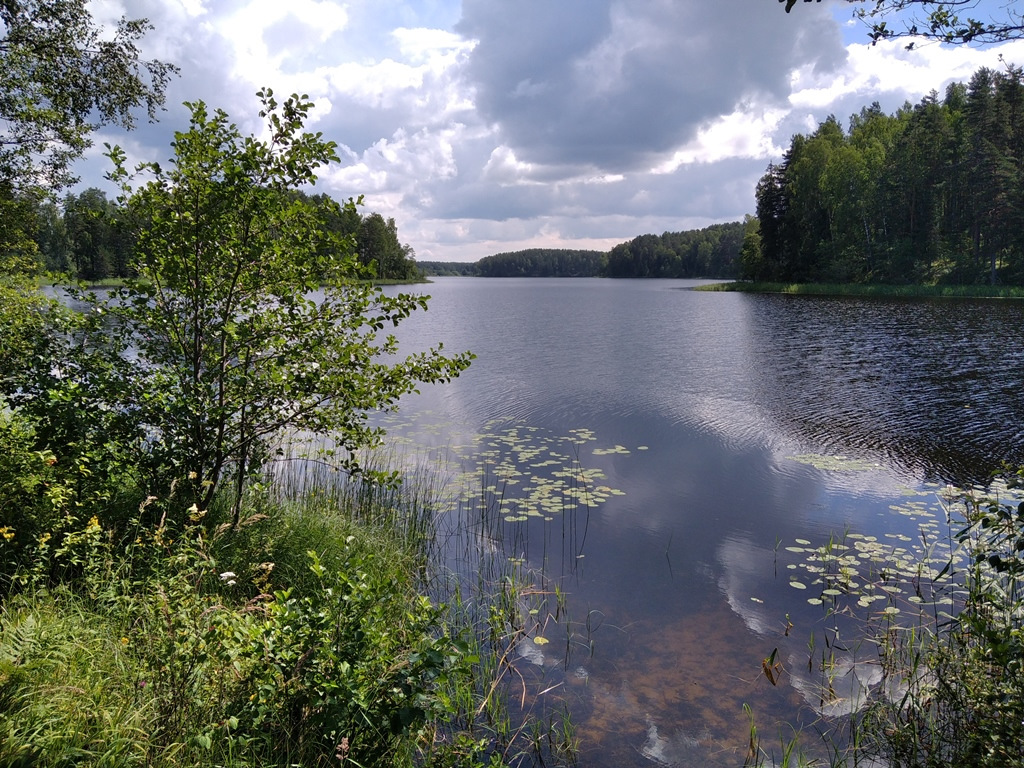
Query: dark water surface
[(721, 428)]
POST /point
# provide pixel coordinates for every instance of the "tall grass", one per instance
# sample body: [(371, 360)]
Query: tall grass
[(328, 628)]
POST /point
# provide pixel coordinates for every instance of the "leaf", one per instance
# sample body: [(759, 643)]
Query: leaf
[(771, 668)]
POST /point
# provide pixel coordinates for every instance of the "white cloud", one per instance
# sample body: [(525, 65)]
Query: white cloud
[(580, 123), (427, 46), (747, 132), (889, 72)]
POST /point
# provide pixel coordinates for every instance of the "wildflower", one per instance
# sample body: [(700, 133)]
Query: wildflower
[(228, 577), (7, 532)]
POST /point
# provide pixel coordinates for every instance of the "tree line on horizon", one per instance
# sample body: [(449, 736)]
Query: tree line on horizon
[(933, 194), (710, 252), (84, 236)]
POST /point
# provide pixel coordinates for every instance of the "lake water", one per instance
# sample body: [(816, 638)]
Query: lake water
[(716, 440)]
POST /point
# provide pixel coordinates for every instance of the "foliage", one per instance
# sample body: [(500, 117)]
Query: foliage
[(92, 236), (542, 262), (156, 655), (710, 252), (243, 323), (63, 76), (64, 450), (375, 239), (931, 194), (939, 21), (87, 237), (298, 637), (19, 255), (379, 249), (335, 677), (451, 268), (935, 20)]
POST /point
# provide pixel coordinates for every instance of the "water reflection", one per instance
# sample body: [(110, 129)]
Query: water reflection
[(764, 420)]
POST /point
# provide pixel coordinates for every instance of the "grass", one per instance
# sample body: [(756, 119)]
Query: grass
[(312, 634), (881, 291)]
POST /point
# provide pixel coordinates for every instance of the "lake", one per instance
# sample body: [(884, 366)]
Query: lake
[(670, 460)]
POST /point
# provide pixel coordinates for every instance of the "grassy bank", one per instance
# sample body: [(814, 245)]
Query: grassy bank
[(306, 636), (893, 291)]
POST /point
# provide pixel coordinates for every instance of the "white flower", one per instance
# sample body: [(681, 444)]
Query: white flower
[(228, 577)]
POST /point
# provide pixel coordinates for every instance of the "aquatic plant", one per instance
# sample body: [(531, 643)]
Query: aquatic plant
[(930, 668)]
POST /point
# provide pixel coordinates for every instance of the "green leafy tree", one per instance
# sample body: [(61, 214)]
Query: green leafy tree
[(380, 249), (542, 262), (99, 246), (773, 214), (52, 238), (61, 77), (243, 321), (19, 255), (752, 265)]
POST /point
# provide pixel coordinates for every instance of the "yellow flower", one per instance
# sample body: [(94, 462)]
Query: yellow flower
[(7, 532)]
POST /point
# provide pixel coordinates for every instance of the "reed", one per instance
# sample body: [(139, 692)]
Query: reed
[(948, 639), (343, 621)]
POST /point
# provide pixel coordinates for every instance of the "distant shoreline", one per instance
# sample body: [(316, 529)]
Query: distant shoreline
[(881, 291)]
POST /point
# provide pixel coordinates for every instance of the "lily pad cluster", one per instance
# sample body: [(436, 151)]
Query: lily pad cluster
[(518, 470), (891, 572), (836, 463)]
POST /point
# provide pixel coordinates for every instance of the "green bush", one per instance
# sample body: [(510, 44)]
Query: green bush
[(156, 649)]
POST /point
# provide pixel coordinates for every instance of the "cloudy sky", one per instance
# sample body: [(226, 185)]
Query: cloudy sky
[(493, 125)]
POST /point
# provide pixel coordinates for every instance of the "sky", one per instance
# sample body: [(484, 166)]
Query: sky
[(486, 126)]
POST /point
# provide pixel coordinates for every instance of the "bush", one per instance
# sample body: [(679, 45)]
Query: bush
[(154, 655)]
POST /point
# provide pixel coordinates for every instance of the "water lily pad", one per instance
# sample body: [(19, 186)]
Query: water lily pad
[(834, 463)]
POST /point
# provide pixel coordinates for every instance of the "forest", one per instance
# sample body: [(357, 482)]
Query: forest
[(85, 236), (710, 252), (933, 194), (542, 262)]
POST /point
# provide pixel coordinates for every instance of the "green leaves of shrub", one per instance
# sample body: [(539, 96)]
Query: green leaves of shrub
[(351, 665)]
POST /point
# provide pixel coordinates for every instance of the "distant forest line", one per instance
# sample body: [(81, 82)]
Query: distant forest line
[(88, 237), (710, 252)]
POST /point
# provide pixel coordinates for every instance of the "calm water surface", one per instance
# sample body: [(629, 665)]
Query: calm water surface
[(711, 424)]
